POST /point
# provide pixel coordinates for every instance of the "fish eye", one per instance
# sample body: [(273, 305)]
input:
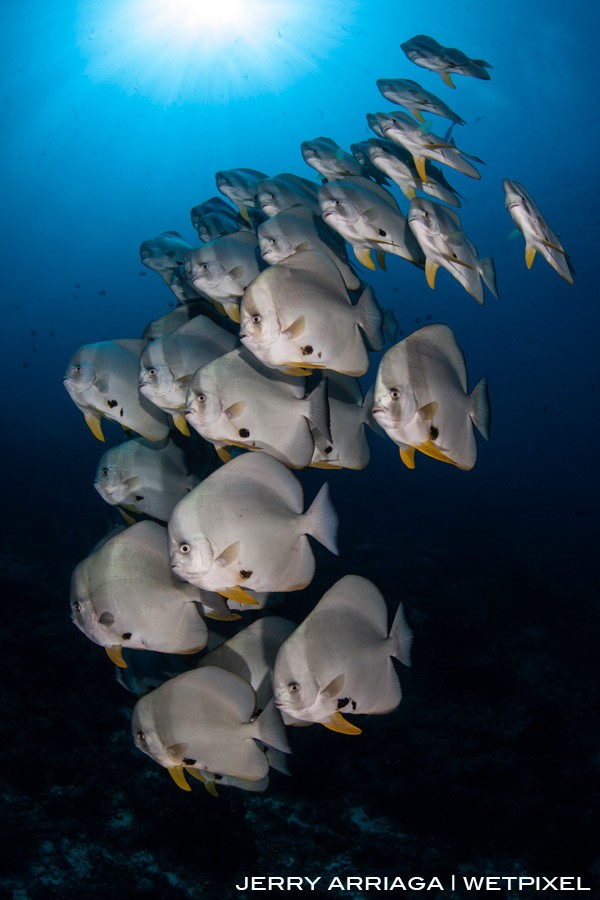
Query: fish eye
[(184, 548), (78, 369), (201, 398), (395, 394), (293, 687), (256, 319), (104, 471), (141, 736), (152, 372), (273, 240), (77, 606)]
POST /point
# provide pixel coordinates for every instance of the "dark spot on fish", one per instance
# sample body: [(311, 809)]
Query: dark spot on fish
[(306, 351), (138, 497), (245, 574), (126, 635), (434, 432), (243, 432), (218, 777), (106, 618), (382, 232), (319, 355), (112, 403), (189, 761), (342, 702), (353, 702), (33, 331), (328, 449), (121, 412), (102, 293)]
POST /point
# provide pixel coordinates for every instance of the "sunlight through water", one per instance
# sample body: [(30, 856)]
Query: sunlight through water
[(208, 51)]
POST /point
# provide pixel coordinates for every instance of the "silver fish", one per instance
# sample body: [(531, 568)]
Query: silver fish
[(367, 216), (214, 218), (144, 477), (240, 186), (297, 316), (446, 61), (339, 660), (537, 233), (349, 413), (421, 399), (444, 243), (416, 99), (360, 152), (244, 527), (328, 158), (167, 364), (398, 165), (124, 595), (297, 229), (102, 381), (237, 401), (223, 268), (164, 253), (203, 721), (286, 190)]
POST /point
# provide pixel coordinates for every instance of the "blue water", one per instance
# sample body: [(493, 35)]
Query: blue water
[(94, 163)]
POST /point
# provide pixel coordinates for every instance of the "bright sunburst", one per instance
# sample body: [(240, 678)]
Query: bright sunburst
[(180, 51)]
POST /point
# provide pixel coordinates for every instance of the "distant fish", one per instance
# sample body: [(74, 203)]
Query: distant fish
[(164, 252), (416, 99), (240, 186), (328, 158), (446, 61), (536, 231), (222, 269), (339, 659), (286, 190), (347, 448), (399, 166)]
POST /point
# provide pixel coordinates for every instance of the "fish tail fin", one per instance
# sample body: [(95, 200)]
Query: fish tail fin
[(487, 270), (401, 635), (323, 520), (318, 409), (371, 319), (481, 412), (270, 728)]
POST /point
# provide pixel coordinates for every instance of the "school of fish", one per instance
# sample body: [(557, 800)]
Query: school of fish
[(273, 328)]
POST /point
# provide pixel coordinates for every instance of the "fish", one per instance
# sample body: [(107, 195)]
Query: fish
[(423, 144), (244, 528), (214, 218), (237, 401), (283, 191), (421, 399), (368, 217), (124, 595), (338, 661), (297, 316), (348, 447), (240, 186), (360, 152), (164, 253), (102, 381), (409, 94), (298, 228), (144, 478), (203, 720), (538, 235), (328, 158), (444, 243), (223, 268), (399, 166), (167, 364), (446, 61)]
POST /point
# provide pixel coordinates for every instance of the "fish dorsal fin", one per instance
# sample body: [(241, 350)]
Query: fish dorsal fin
[(318, 265), (358, 597), (372, 187), (337, 722), (294, 330), (235, 410), (229, 555), (335, 686)]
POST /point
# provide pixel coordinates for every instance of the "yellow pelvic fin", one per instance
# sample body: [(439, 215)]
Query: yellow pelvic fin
[(364, 257), (94, 424), (219, 618), (219, 308), (297, 368), (224, 454), (244, 212), (431, 268), (239, 595), (419, 116), (409, 193), (115, 655), (445, 76), (210, 787), (380, 256), (323, 464), (420, 167), (429, 449), (195, 773), (233, 312), (178, 775), (180, 423), (407, 455), (529, 255), (338, 723), (127, 518)]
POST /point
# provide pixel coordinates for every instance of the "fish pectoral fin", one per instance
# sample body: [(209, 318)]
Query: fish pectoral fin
[(530, 252), (177, 773), (454, 259), (407, 455), (115, 654), (380, 257), (371, 214), (334, 687), (180, 423), (445, 76), (337, 722), (294, 330), (303, 245), (431, 268), (428, 411), (223, 453), (93, 422), (239, 595), (235, 410), (364, 257), (229, 555)]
